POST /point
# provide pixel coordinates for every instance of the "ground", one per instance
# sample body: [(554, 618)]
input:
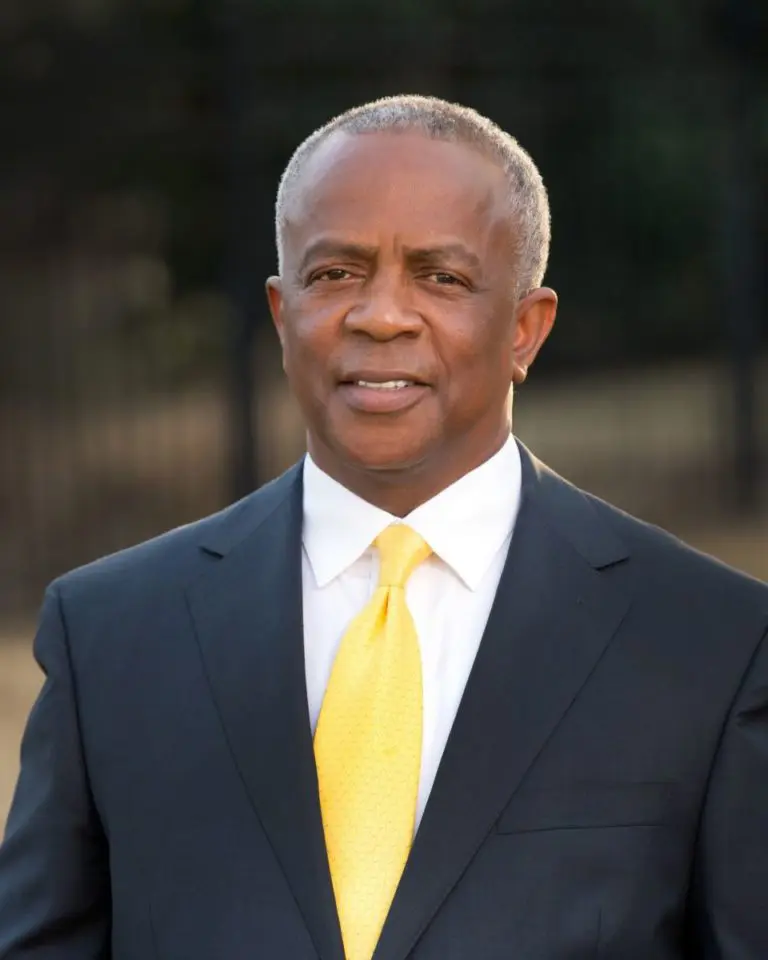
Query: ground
[(19, 682)]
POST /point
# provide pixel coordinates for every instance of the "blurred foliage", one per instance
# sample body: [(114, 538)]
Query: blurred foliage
[(142, 142), (157, 130)]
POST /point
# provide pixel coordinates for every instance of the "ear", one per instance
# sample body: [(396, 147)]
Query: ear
[(534, 319), (275, 300)]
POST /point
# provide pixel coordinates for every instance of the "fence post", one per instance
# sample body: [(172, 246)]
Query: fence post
[(241, 206), (741, 241)]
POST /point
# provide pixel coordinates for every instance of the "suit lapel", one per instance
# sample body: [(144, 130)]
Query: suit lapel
[(555, 612), (247, 611)]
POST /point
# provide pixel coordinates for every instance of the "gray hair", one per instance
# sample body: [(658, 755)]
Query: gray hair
[(441, 120)]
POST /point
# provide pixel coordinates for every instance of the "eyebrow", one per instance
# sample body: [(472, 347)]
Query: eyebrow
[(327, 247), (442, 252)]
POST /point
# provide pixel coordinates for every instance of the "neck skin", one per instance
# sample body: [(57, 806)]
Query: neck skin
[(401, 490)]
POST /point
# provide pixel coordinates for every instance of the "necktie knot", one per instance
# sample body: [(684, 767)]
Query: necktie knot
[(401, 550)]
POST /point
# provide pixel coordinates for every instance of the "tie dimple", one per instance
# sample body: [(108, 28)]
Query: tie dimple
[(401, 550)]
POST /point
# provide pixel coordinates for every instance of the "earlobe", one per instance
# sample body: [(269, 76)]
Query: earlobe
[(520, 372)]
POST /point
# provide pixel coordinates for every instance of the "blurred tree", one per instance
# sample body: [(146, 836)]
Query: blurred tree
[(193, 107), (142, 141)]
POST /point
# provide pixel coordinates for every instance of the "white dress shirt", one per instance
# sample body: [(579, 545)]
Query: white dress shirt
[(468, 526)]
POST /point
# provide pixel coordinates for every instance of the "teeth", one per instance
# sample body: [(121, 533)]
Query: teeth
[(386, 385)]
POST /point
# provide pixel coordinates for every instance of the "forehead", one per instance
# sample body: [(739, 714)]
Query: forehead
[(401, 184)]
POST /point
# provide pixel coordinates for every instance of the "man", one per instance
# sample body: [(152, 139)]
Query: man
[(418, 697)]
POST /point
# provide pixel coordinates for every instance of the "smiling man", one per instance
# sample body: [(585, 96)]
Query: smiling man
[(418, 697)]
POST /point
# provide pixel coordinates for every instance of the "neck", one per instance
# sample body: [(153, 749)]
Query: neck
[(400, 490)]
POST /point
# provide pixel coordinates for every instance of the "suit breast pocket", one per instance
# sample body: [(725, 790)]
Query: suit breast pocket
[(575, 806)]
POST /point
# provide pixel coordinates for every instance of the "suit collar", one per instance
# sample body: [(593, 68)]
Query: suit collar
[(225, 531), (566, 508), (571, 512)]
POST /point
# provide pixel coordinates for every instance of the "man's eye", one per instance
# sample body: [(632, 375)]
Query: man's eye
[(445, 279), (332, 273)]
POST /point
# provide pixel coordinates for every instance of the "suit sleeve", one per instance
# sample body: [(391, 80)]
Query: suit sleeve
[(54, 875), (730, 883)]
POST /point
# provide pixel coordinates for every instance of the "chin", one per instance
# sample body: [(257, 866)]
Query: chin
[(377, 451)]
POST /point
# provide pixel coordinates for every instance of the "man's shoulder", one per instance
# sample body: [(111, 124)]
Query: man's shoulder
[(655, 554), (176, 555), (670, 562)]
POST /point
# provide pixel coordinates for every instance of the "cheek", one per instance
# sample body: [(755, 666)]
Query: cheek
[(482, 357), (308, 345), (317, 311), (307, 340)]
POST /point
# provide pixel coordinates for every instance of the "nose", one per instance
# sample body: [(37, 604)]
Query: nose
[(383, 313)]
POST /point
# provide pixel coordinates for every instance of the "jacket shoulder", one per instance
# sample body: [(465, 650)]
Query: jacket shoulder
[(176, 555), (669, 561)]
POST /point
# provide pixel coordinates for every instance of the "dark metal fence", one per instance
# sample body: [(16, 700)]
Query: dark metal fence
[(141, 146)]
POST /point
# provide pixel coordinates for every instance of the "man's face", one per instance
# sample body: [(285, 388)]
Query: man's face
[(396, 307)]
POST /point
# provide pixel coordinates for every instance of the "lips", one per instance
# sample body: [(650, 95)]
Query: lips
[(382, 394), (370, 377)]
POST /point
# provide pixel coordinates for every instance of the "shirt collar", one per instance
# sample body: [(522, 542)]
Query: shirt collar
[(466, 524)]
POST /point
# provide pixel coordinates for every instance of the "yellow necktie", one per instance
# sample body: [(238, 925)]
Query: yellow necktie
[(368, 748)]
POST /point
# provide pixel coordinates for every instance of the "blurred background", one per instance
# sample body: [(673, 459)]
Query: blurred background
[(141, 142)]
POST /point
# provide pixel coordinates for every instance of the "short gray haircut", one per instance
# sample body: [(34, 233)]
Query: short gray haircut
[(441, 120)]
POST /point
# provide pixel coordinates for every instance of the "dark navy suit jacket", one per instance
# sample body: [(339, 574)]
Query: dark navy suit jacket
[(603, 793)]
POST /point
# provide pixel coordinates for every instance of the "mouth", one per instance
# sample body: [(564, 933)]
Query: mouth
[(379, 395), (384, 384)]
